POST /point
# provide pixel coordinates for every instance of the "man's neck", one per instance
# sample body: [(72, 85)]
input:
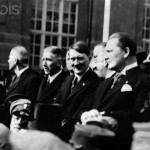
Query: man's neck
[(132, 61), (127, 62), (17, 70), (52, 77), (80, 76), (54, 71)]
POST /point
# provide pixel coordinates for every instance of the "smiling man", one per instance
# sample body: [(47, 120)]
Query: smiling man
[(76, 87)]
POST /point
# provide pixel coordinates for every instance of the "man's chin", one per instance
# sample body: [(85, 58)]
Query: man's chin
[(16, 129), (46, 72), (79, 72)]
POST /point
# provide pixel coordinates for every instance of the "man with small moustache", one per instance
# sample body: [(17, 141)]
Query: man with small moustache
[(77, 86)]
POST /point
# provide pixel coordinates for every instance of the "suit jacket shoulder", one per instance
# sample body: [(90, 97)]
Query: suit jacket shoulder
[(126, 98), (48, 93), (27, 84)]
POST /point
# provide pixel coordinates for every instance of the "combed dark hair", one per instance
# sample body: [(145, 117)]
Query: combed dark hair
[(80, 47), (125, 41)]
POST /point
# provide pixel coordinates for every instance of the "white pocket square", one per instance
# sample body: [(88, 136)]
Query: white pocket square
[(126, 87)]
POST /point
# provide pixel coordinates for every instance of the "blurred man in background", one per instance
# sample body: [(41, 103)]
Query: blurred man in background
[(98, 63)]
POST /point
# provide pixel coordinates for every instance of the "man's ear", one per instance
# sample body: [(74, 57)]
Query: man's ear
[(127, 52), (90, 57), (16, 60), (59, 61)]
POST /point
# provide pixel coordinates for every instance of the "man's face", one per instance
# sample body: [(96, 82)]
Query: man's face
[(68, 62), (18, 123), (50, 63), (12, 60), (79, 61), (115, 55), (98, 60)]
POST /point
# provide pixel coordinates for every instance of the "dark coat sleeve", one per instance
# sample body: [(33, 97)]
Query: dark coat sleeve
[(33, 87)]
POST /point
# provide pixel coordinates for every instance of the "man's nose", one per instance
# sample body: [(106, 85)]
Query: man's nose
[(106, 57), (19, 121), (76, 62), (22, 121), (44, 62)]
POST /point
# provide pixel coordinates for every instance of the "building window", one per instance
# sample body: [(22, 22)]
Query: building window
[(53, 22), (146, 27)]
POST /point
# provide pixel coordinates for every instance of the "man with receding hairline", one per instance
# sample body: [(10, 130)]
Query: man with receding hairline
[(118, 100), (52, 65), (26, 81)]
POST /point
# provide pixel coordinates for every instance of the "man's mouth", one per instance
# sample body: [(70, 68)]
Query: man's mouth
[(106, 64), (45, 68), (17, 127)]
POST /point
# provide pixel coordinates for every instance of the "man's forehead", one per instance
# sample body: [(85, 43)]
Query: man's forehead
[(12, 53), (112, 42), (74, 53), (98, 50), (48, 54)]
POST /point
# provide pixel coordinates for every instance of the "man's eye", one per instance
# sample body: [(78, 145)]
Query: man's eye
[(17, 117), (46, 59), (80, 58), (108, 51), (72, 59)]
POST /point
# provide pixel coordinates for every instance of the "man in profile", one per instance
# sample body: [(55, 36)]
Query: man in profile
[(52, 64), (119, 99), (26, 81)]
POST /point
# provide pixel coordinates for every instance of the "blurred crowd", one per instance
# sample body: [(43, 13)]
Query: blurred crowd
[(90, 104)]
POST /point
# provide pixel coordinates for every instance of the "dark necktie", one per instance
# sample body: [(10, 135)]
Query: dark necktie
[(75, 81), (47, 83), (116, 78), (13, 80)]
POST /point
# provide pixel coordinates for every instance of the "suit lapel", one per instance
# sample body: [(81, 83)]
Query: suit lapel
[(48, 90), (14, 85), (130, 76), (102, 91), (115, 89), (44, 92), (18, 80), (67, 88), (41, 88), (78, 87), (88, 76)]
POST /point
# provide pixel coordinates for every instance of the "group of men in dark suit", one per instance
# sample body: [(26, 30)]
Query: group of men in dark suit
[(114, 102)]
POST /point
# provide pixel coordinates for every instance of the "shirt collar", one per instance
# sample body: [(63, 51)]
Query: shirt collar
[(51, 78), (110, 74), (21, 71), (79, 77), (128, 67)]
